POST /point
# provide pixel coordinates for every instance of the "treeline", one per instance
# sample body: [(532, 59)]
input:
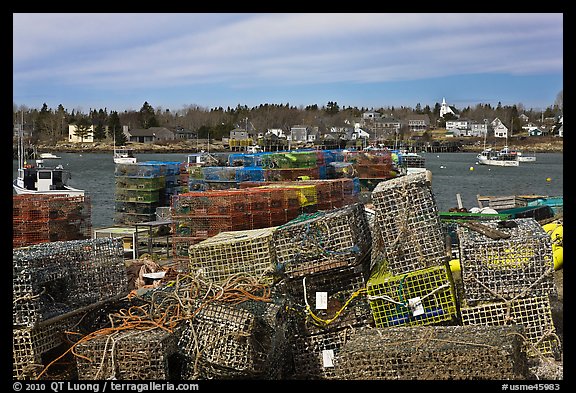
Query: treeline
[(48, 125)]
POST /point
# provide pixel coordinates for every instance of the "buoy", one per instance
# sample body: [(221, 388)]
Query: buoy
[(558, 257), (548, 179), (454, 265), (556, 232)]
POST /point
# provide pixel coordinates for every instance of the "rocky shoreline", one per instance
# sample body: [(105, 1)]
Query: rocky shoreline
[(547, 145)]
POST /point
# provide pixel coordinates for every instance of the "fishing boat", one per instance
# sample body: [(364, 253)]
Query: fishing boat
[(496, 158), (518, 154), (45, 156), (37, 178), (124, 155)]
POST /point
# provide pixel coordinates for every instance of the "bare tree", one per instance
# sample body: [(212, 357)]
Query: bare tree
[(559, 102)]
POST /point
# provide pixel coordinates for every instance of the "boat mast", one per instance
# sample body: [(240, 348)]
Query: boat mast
[(21, 141)]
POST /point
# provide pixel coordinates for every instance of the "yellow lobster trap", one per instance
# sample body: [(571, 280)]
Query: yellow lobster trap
[(421, 297)]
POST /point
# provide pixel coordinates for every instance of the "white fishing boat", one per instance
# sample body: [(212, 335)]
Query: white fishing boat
[(124, 155), (46, 156), (519, 156), (496, 158), (38, 178)]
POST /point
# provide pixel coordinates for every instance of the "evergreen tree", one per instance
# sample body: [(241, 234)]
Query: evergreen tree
[(147, 116), (83, 127)]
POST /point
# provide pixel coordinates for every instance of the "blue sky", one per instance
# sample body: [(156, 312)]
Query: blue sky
[(118, 61)]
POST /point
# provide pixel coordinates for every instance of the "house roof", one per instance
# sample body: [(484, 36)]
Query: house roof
[(149, 131)]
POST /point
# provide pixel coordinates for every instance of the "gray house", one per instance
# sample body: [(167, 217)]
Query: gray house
[(150, 135)]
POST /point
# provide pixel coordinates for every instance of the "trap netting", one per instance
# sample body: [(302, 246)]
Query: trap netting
[(52, 279), (519, 264), (323, 240), (409, 224), (422, 297), (534, 314), (228, 253), (433, 353)]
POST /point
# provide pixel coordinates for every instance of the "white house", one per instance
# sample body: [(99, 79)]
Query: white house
[(72, 137), (276, 131), (500, 130), (359, 133)]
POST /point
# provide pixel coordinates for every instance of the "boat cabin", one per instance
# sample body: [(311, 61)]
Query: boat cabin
[(42, 179)]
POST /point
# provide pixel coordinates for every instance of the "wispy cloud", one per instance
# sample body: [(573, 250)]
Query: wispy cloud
[(119, 52)]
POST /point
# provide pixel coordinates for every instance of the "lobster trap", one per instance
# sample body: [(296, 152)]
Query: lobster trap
[(422, 297), (52, 279), (228, 253), (314, 355), (323, 240), (246, 340), (409, 223), (34, 348), (330, 300), (39, 218), (534, 314), (519, 263), (130, 354), (433, 353)]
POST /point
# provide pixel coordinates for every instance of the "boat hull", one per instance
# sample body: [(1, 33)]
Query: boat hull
[(124, 160), (68, 191), (498, 162), (526, 159)]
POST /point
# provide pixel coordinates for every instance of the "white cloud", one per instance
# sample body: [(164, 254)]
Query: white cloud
[(124, 51)]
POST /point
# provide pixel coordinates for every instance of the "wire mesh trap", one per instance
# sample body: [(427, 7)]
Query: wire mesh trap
[(323, 240), (32, 349), (408, 221), (131, 354), (52, 279), (314, 355), (533, 314), (228, 253), (245, 340), (433, 353), (329, 300), (421, 297), (521, 265)]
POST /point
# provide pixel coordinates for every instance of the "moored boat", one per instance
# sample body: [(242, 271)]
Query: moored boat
[(40, 179)]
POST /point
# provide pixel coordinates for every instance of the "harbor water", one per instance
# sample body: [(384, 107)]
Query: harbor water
[(452, 174)]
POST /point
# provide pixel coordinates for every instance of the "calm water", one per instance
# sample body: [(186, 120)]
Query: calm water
[(452, 173)]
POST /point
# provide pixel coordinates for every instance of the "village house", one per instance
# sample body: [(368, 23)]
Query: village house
[(74, 137), (150, 135)]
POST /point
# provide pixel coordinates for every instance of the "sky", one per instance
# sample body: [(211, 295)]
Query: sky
[(119, 61)]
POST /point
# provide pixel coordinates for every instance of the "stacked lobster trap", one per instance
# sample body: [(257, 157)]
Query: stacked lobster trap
[(51, 284), (228, 253), (324, 258), (131, 354), (42, 218), (247, 340), (410, 283), (507, 278), (140, 189), (433, 353)]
